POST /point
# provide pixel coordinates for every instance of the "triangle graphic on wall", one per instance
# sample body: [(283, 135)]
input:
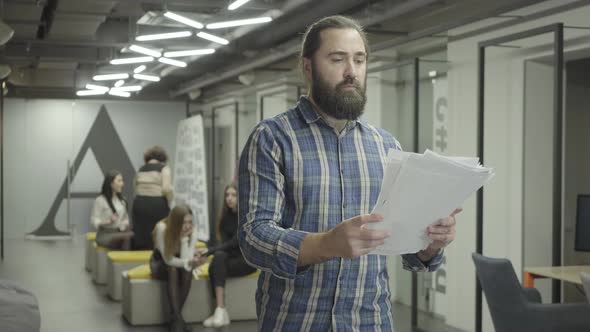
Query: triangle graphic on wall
[(106, 145)]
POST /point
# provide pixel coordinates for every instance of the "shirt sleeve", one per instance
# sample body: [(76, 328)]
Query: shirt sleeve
[(96, 217), (124, 219), (264, 242), (225, 246), (411, 262), (188, 250), (181, 262)]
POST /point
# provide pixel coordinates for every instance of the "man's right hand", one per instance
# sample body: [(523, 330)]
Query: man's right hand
[(351, 238), (348, 239)]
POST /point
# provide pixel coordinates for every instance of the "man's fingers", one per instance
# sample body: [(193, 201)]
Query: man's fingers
[(440, 237), (374, 234), (445, 222), (371, 244), (438, 230), (457, 211), (366, 219)]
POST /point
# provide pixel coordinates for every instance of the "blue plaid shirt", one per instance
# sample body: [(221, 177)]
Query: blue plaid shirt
[(296, 176)]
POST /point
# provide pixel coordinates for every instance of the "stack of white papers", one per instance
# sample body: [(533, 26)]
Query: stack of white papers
[(418, 190)]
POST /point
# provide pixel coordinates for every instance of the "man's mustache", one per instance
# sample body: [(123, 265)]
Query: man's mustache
[(350, 81)]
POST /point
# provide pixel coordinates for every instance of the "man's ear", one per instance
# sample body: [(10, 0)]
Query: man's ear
[(307, 69)]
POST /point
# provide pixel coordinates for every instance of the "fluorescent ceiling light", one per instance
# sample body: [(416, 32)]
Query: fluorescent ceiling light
[(90, 86), (144, 77), (139, 69), (236, 4), (184, 20), (169, 35), (212, 38), (119, 83), (229, 24), (119, 93), (90, 92), (124, 61), (146, 51), (110, 77), (172, 62), (432, 73), (128, 88), (176, 54)]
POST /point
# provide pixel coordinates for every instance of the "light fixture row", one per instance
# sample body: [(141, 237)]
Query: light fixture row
[(124, 76), (218, 25), (150, 55)]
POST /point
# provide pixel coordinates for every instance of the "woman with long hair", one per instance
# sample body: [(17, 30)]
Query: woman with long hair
[(109, 214), (228, 260), (173, 259)]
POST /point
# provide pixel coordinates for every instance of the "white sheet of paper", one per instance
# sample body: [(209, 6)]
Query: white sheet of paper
[(417, 191)]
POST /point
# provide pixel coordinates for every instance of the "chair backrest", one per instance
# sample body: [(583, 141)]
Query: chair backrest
[(503, 292), (586, 282)]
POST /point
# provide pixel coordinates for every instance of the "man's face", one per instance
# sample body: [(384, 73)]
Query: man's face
[(337, 73)]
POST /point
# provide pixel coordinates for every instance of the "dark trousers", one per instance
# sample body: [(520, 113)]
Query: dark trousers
[(147, 212), (225, 266)]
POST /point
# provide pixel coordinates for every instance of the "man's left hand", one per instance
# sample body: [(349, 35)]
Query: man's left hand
[(443, 232)]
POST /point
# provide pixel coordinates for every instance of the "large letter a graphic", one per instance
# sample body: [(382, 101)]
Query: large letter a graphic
[(110, 154)]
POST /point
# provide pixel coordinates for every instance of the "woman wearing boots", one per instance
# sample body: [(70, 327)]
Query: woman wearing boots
[(227, 260), (174, 259)]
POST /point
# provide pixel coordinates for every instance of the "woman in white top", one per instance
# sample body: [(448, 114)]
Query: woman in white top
[(174, 259), (109, 214)]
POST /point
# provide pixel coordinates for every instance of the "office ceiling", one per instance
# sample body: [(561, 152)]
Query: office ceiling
[(59, 45)]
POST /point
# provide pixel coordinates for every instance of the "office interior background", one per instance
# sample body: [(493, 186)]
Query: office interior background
[(523, 108)]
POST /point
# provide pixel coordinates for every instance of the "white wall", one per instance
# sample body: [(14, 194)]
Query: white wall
[(503, 150), (277, 100), (538, 171), (41, 135)]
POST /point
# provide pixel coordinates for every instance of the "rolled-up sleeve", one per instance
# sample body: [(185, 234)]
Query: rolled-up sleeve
[(265, 243), (411, 262)]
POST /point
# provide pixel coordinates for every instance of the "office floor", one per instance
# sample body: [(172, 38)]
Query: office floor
[(69, 301)]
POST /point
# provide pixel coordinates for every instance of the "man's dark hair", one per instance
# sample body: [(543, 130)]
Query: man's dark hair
[(312, 40)]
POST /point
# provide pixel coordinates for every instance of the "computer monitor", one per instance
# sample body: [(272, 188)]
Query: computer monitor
[(583, 223)]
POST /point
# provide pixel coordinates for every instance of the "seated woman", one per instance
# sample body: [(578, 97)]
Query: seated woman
[(109, 214), (227, 258), (174, 259)]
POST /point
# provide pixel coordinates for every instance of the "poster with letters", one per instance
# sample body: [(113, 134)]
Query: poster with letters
[(190, 182)]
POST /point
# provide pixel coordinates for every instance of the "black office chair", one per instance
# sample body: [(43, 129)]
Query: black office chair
[(19, 309), (514, 308)]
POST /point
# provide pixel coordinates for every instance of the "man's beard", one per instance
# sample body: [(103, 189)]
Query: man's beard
[(338, 103)]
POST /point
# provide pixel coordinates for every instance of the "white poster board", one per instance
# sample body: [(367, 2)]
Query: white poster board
[(190, 176)]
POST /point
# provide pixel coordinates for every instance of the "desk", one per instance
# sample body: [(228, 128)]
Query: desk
[(563, 273)]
